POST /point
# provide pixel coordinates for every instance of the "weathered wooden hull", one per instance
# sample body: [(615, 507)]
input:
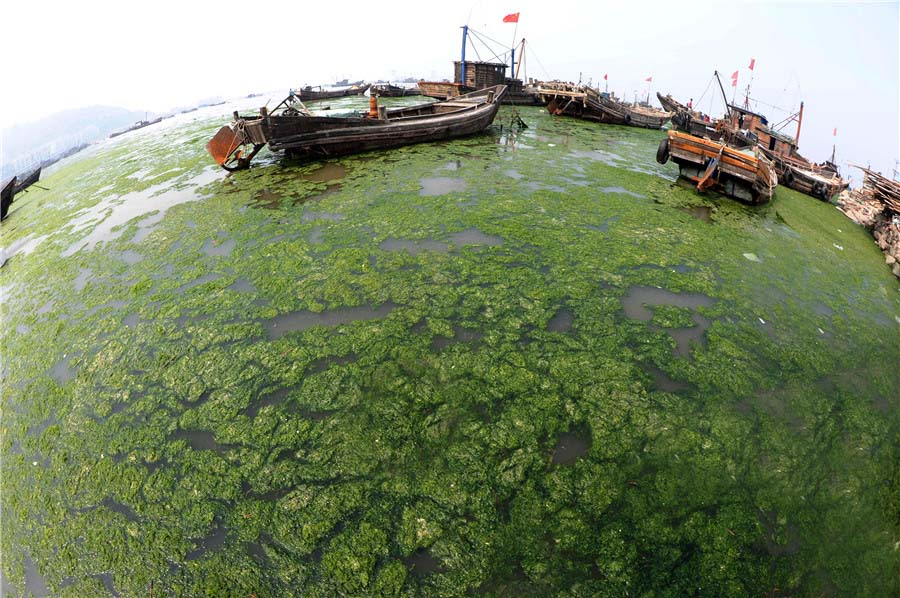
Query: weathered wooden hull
[(311, 95), (587, 104), (443, 90), (28, 180), (807, 178), (318, 136), (394, 91), (622, 114), (11, 187), (669, 103), (140, 125), (7, 193), (745, 175)]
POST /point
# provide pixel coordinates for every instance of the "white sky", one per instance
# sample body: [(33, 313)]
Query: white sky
[(841, 58)]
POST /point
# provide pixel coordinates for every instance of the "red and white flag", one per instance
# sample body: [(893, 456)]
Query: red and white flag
[(734, 75), (752, 62), (649, 79), (511, 18)]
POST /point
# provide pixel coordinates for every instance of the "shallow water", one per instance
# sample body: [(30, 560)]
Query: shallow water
[(528, 361)]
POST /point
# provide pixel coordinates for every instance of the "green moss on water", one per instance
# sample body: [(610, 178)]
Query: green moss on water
[(413, 453)]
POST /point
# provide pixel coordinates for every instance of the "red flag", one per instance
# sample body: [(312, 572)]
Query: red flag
[(734, 75), (648, 79), (752, 62), (511, 18), (835, 131), (734, 82), (606, 77)]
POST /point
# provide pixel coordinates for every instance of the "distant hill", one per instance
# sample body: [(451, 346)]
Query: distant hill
[(30, 143)]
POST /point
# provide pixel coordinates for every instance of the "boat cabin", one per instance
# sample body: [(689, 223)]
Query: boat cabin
[(778, 143), (480, 74)]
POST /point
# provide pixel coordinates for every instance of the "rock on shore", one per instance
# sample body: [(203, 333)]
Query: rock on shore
[(869, 212)]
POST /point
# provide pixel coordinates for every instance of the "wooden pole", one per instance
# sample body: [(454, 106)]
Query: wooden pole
[(799, 123)]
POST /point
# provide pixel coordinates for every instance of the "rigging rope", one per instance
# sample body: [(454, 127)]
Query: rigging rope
[(495, 57)]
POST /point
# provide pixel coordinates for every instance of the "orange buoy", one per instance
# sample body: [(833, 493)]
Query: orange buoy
[(373, 106)]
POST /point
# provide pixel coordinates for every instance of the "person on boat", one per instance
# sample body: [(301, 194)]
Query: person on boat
[(691, 104)]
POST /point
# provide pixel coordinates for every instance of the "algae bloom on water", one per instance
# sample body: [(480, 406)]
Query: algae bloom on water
[(411, 373)]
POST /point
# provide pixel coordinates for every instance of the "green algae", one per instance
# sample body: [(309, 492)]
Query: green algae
[(427, 434)]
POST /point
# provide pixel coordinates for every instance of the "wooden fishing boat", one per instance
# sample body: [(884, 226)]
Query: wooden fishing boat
[(17, 184), (138, 125), (745, 174), (581, 101), (292, 129), (817, 180), (623, 113), (521, 94), (7, 193), (309, 93), (387, 90), (24, 182), (669, 103)]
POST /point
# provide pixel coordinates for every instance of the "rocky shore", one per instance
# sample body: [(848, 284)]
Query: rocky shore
[(864, 208)]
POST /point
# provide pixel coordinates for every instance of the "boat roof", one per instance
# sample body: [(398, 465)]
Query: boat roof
[(751, 112), (503, 64)]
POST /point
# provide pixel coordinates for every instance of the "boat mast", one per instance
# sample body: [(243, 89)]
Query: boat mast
[(799, 122), (724, 97), (462, 60), (521, 59)]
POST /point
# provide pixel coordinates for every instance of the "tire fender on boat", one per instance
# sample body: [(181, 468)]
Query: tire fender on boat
[(662, 152)]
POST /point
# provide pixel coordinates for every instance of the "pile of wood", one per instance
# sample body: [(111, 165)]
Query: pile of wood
[(882, 189)]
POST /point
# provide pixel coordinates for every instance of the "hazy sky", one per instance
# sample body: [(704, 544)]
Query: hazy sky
[(841, 58)]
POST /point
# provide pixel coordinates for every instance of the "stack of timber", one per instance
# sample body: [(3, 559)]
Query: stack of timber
[(882, 189)]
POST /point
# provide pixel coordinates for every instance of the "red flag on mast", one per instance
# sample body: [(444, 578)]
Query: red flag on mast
[(835, 131), (606, 77), (734, 75), (511, 18), (752, 62), (649, 79)]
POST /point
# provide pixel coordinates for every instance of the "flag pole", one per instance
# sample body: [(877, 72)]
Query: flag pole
[(513, 48)]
